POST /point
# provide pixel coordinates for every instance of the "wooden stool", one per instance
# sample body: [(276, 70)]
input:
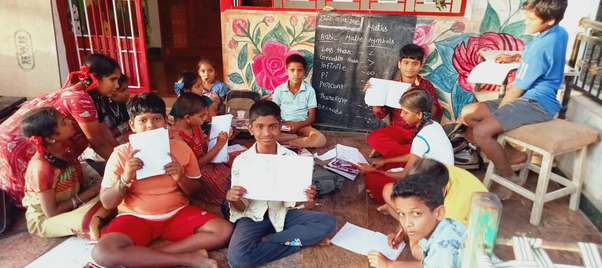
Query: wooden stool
[(549, 139)]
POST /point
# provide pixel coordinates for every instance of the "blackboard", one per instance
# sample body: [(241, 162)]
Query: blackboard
[(349, 49)]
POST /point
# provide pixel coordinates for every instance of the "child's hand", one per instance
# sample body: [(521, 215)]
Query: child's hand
[(366, 86), (235, 193), (377, 259), (363, 167), (292, 126), (378, 163), (395, 239), (174, 169), (231, 133), (505, 58), (222, 139), (310, 193), (131, 165)]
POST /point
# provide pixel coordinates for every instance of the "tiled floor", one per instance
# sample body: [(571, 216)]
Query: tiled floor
[(352, 204)]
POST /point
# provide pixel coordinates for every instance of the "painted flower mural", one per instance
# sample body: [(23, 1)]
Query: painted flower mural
[(458, 52), (269, 67), (423, 35), (267, 44), (466, 55)]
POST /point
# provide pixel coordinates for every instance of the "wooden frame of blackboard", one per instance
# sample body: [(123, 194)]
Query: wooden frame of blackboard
[(349, 49)]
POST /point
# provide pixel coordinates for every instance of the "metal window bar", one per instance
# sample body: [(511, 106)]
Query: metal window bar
[(88, 27), (587, 56), (134, 48), (79, 59)]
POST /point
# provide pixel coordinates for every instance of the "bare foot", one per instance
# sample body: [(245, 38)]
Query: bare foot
[(384, 209), (201, 260), (325, 242)]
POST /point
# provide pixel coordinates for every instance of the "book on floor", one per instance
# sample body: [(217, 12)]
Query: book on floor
[(344, 161), (384, 92)]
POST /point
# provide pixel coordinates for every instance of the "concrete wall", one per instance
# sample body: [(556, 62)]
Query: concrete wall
[(28, 50), (584, 111)]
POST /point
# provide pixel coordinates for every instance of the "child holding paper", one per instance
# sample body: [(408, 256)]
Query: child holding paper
[(297, 99), (419, 204), (192, 111), (270, 230), (532, 97), (395, 139), (157, 206), (428, 141)]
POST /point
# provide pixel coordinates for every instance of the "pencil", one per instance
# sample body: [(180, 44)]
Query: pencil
[(398, 233)]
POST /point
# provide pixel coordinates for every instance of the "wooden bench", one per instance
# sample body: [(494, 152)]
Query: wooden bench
[(550, 139)]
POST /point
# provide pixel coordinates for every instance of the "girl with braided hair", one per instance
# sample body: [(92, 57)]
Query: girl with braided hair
[(429, 141), (56, 204)]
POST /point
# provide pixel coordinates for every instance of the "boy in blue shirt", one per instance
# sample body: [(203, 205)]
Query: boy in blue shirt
[(419, 203), (297, 100), (270, 230), (532, 97)]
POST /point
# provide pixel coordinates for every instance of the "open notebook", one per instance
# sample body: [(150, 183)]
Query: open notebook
[(385, 92), (342, 162)]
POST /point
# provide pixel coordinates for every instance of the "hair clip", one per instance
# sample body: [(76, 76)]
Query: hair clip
[(178, 86)]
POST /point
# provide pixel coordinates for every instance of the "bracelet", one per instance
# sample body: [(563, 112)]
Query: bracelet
[(79, 199), (74, 203), (124, 183)]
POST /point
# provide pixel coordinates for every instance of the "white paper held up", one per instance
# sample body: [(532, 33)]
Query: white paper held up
[(489, 72), (218, 124), (384, 92), (362, 241), (154, 151), (276, 177)]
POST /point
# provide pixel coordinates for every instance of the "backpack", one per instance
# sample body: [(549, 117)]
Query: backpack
[(465, 155), (325, 181)]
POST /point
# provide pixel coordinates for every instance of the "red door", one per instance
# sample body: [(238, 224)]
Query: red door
[(112, 27)]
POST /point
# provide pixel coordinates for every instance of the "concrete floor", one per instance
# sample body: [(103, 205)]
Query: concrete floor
[(352, 204)]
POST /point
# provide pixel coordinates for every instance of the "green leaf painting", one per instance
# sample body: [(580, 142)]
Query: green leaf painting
[(491, 21), (277, 34), (235, 78), (242, 57)]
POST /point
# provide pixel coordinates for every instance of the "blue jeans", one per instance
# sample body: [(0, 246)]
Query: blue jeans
[(305, 227)]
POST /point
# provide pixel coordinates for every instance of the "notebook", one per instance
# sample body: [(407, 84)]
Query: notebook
[(344, 160), (385, 92)]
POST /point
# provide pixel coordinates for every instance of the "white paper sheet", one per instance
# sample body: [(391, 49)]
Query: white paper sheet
[(350, 154), (385, 92), (154, 151), (362, 241), (327, 155), (489, 72), (236, 148), (72, 253), (276, 177), (218, 124)]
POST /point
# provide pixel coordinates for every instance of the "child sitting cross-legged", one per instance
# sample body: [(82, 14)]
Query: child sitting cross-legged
[(157, 206), (270, 230), (192, 111), (419, 204), (297, 99)]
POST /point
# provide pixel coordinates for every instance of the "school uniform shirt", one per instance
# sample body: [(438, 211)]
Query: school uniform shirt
[(255, 209), (432, 142), (460, 187), (541, 71), (157, 197), (295, 107), (444, 247)]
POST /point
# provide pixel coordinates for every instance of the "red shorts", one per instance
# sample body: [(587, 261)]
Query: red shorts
[(178, 227)]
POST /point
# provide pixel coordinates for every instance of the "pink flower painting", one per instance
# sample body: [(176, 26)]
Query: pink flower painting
[(240, 26), (269, 67), (466, 55), (424, 35)]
